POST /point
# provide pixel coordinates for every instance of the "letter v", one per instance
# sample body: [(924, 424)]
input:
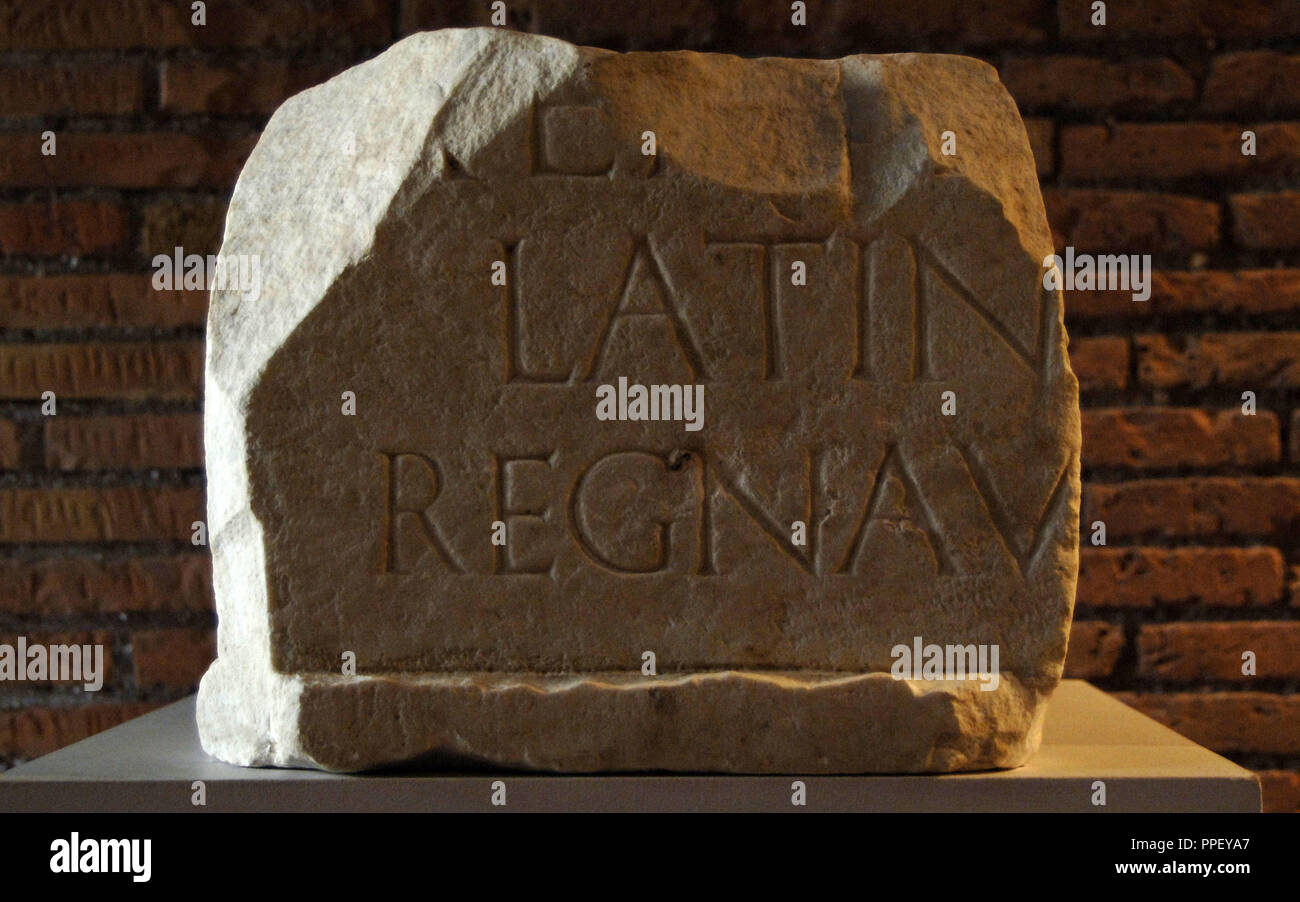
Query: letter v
[(1027, 557)]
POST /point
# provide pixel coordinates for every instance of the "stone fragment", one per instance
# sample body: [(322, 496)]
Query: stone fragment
[(760, 388)]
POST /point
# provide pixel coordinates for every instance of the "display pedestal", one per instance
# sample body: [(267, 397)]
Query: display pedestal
[(151, 764)]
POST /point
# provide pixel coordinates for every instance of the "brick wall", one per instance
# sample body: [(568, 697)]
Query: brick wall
[(1136, 127)]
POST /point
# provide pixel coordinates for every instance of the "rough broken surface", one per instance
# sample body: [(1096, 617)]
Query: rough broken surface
[(378, 203)]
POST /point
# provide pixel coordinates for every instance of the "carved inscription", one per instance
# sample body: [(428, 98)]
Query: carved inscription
[(889, 497), (615, 394), (893, 289), (893, 341)]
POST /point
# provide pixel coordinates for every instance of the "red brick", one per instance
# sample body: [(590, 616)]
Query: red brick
[(1084, 304), (54, 88), (78, 302), (172, 658), (10, 449), (1250, 360), (78, 637), (1100, 363), (944, 24), (59, 228), (129, 370), (75, 586), (427, 15), (1178, 150), (1094, 220), (763, 32), (1159, 437), (1281, 791), (1171, 577), (1040, 133), (1203, 652), (1096, 85), (1266, 221), (1227, 722), (1258, 81), (1199, 20), (35, 731), (117, 514), (1094, 649), (192, 223), (1251, 291), (619, 23), (254, 87), (755, 26), (123, 160), (77, 24), (1195, 507), (144, 441)]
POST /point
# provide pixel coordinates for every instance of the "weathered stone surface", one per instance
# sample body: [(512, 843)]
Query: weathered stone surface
[(379, 203)]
